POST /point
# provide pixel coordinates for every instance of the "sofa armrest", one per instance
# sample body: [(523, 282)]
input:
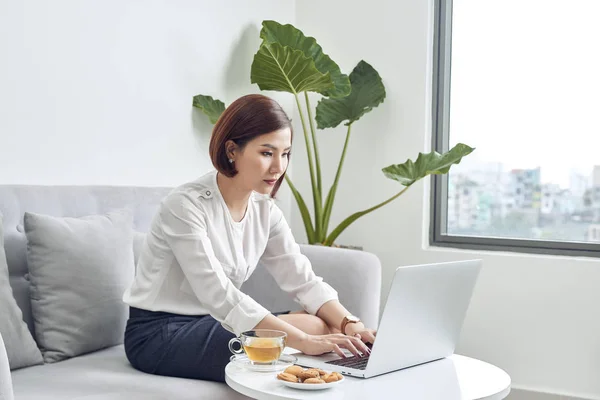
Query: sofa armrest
[(356, 275), (6, 390)]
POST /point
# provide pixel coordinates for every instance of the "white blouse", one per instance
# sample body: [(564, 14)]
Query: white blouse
[(196, 257)]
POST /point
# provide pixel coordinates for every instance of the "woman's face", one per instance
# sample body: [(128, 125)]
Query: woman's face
[(263, 160)]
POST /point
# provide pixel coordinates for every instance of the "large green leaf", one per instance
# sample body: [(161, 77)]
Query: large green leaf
[(367, 93), (286, 70), (427, 164), (407, 174), (289, 36), (211, 107)]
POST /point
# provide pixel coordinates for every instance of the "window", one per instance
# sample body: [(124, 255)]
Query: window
[(518, 80)]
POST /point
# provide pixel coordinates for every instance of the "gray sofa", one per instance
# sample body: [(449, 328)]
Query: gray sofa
[(106, 373)]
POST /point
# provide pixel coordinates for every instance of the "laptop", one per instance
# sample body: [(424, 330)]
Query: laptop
[(420, 323)]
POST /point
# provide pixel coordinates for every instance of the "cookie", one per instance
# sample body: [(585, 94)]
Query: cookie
[(320, 371), (294, 370), (287, 377), (330, 378), (308, 374), (339, 376), (314, 380)]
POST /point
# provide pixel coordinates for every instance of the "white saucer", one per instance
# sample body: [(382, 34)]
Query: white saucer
[(311, 386), (285, 360)]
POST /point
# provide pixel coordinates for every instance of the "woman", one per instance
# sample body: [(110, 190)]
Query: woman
[(206, 240)]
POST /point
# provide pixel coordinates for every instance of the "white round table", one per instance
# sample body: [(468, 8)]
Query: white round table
[(453, 378)]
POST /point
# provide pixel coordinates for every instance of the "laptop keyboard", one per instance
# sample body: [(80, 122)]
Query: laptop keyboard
[(351, 362)]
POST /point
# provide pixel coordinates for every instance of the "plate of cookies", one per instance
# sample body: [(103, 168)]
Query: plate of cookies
[(298, 377)]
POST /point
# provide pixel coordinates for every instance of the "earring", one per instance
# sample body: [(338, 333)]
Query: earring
[(231, 161)]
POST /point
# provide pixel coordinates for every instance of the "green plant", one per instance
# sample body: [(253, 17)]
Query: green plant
[(288, 61)]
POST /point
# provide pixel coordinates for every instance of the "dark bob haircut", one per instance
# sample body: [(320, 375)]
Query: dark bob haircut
[(246, 118)]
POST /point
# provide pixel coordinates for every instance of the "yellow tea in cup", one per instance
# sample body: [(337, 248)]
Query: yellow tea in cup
[(263, 350), (262, 346)]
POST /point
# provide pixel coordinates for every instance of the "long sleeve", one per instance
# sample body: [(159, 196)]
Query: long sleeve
[(185, 230), (291, 269)]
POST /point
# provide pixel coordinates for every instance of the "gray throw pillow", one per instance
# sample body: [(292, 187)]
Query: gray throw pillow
[(20, 346), (78, 270)]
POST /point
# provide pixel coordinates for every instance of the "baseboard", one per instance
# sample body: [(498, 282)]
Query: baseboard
[(522, 394)]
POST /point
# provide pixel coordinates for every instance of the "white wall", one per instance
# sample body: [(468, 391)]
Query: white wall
[(536, 317), (100, 92)]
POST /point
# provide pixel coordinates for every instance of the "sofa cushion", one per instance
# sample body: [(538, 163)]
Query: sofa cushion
[(107, 375), (64, 201), (79, 269), (20, 346)]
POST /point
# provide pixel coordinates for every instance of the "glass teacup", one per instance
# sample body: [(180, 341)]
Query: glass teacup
[(262, 346)]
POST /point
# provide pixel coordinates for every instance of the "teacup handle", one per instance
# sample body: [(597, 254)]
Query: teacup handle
[(234, 351)]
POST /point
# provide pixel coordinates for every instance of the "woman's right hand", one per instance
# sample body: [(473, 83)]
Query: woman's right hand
[(315, 345)]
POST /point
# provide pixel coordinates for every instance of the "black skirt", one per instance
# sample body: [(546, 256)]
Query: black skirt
[(177, 345)]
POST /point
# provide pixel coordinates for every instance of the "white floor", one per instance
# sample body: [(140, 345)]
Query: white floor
[(519, 394)]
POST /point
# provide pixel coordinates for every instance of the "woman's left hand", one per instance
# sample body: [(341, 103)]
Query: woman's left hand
[(360, 331)]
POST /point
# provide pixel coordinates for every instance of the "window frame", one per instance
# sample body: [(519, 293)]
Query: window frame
[(438, 237)]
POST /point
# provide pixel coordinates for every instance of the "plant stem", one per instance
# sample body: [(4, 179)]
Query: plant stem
[(310, 232), (314, 140), (345, 223), (333, 189), (316, 194)]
